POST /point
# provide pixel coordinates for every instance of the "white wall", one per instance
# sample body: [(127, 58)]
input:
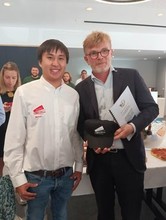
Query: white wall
[(75, 66), (25, 36), (146, 68), (161, 77)]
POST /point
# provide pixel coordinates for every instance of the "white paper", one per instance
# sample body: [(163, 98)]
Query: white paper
[(124, 109), (154, 95)]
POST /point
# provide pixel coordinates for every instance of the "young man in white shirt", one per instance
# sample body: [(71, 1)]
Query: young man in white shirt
[(42, 143)]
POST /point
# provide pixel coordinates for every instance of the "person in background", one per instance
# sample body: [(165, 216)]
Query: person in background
[(68, 79), (9, 81), (34, 75), (2, 113), (42, 143), (83, 76), (121, 167)]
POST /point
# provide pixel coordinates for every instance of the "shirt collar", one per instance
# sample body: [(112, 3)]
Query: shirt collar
[(48, 85), (111, 70)]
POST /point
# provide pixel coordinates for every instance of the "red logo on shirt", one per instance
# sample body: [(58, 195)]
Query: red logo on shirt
[(39, 111)]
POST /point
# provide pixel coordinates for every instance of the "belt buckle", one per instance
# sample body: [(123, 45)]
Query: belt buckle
[(45, 173), (58, 173)]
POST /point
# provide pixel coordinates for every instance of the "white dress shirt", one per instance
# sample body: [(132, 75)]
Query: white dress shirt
[(104, 94), (42, 130), (78, 81)]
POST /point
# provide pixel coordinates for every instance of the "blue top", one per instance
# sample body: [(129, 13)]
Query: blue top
[(2, 113)]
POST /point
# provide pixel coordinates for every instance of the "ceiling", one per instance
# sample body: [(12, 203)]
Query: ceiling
[(72, 15)]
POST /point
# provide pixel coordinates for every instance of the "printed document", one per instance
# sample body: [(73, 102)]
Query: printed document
[(125, 108)]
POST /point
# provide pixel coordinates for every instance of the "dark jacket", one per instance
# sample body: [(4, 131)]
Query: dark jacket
[(149, 110)]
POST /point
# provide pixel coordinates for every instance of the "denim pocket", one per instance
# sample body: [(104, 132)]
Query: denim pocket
[(32, 178)]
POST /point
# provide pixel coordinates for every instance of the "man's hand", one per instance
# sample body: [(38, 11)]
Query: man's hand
[(23, 193), (99, 150), (77, 178), (123, 131), (7, 106)]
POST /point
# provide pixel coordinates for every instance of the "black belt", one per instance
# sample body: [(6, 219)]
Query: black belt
[(116, 150), (53, 173)]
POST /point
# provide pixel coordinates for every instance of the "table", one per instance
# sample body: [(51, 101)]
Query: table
[(155, 180), (155, 175), (161, 104)]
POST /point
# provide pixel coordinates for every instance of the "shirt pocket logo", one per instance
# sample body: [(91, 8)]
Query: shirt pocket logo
[(39, 111)]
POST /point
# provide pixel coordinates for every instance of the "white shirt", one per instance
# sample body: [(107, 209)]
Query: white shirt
[(2, 113), (78, 81), (104, 94), (42, 130)]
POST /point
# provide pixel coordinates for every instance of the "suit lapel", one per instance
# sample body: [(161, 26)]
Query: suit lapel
[(91, 90), (117, 84)]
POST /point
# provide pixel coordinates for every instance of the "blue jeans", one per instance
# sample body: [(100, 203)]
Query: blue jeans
[(57, 189)]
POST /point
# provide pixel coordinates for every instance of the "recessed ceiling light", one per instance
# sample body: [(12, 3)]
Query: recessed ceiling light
[(7, 4), (89, 9), (123, 2), (160, 14)]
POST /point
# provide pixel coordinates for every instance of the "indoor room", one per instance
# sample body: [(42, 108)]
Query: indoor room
[(137, 29)]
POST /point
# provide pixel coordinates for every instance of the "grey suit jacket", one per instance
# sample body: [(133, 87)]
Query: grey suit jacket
[(149, 110)]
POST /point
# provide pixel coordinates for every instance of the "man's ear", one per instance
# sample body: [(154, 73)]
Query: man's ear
[(40, 64)]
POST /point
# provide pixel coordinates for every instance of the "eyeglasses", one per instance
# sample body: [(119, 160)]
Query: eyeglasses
[(95, 54)]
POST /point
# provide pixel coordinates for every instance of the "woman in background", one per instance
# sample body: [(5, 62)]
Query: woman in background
[(9, 81), (68, 80)]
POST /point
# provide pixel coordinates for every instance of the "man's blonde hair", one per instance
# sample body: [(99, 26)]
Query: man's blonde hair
[(95, 38)]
